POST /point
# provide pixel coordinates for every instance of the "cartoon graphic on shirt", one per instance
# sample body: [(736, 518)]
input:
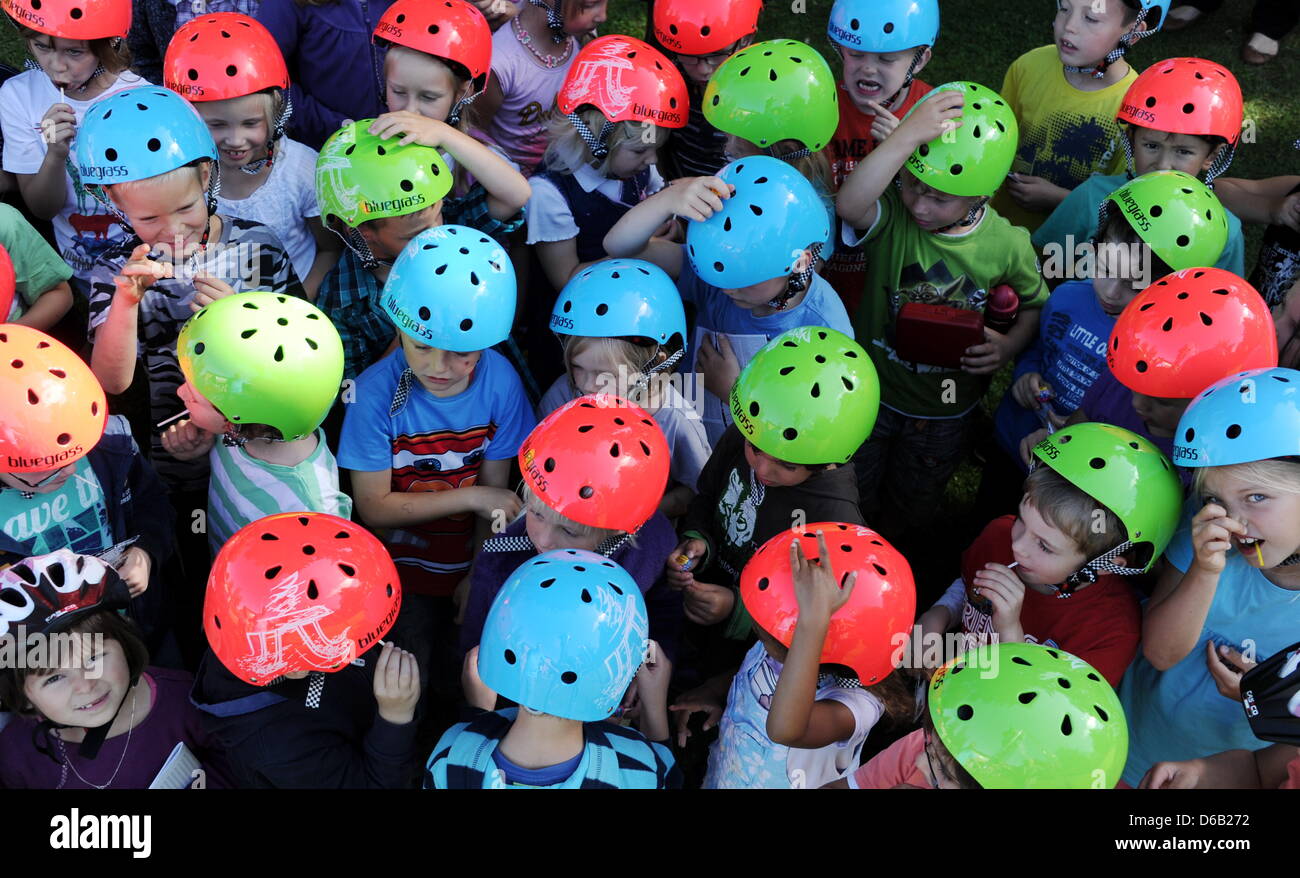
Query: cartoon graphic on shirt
[(762, 684), (284, 616), (738, 509), (91, 226), (936, 286), (600, 74), (1067, 147)]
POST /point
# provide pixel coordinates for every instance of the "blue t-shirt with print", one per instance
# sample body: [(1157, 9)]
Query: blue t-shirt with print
[(74, 516)]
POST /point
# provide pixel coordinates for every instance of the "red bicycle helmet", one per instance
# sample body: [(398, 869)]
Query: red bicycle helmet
[(598, 460), (1185, 96), (7, 284), (703, 27), (866, 633), (298, 591), (73, 19), (221, 56), (52, 408), (1187, 331), (452, 30), (627, 80)]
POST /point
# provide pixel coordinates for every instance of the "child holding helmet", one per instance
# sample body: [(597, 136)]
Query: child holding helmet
[(299, 687), (230, 68), (564, 639), (822, 673), (749, 265), (623, 328), (82, 60), (1160, 134), (1233, 572), (1066, 97)]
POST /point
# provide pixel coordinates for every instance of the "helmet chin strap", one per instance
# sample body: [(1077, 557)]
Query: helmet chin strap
[(907, 77), (1102, 564), (597, 144), (554, 19), (95, 737), (971, 216), (1125, 42), (277, 132), (799, 281)]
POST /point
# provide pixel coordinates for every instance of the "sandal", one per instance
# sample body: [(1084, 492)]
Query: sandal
[(1260, 49)]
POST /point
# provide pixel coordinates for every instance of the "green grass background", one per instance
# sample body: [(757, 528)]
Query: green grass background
[(980, 38)]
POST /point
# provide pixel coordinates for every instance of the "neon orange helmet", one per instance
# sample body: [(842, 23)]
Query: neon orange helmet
[(452, 30), (73, 19), (1185, 96), (221, 56), (703, 27)]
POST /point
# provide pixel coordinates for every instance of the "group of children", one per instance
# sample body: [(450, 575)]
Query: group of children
[(465, 392)]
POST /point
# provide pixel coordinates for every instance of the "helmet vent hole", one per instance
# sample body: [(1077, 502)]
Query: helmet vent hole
[(1140, 365), (602, 309), (348, 570), (756, 210), (309, 550), (1156, 210), (407, 185), (848, 385), (18, 364), (279, 354), (466, 325), (1066, 726), (586, 428), (1020, 660), (1027, 697), (753, 409), (425, 313), (388, 590), (1233, 431), (646, 449), (63, 439), (585, 492), (1063, 683), (790, 434), (568, 677), (1182, 240), (1189, 108), (889, 27), (718, 267), (282, 321), (1206, 319), (311, 344), (617, 590), (816, 390), (549, 465), (32, 397), (786, 370), (270, 537), (956, 170), (965, 712), (510, 657), (57, 373), (1168, 324), (586, 596), (216, 620), (771, 74), (881, 570), (763, 584), (613, 450), (1220, 292), (312, 591), (473, 278), (273, 572), (547, 583), (154, 144), (1097, 463), (246, 334), (726, 224), (1105, 717)]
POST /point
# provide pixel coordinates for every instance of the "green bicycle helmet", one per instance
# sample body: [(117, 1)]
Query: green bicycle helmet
[(1128, 475), (809, 396), (362, 177), (1024, 716), (264, 358), (975, 158), (774, 91), (1175, 214)]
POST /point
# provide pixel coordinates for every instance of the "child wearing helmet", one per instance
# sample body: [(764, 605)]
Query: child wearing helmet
[(82, 60), (90, 713), (1182, 334), (298, 685), (531, 58), (1103, 504), (230, 69), (434, 427), (935, 249), (749, 266), (699, 36), (623, 328), (262, 379), (1066, 96), (822, 674), (802, 407), (564, 639), (594, 471), (1160, 134), (34, 288), (1233, 569)]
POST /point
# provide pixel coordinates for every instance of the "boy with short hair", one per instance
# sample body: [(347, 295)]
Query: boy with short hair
[(1102, 504)]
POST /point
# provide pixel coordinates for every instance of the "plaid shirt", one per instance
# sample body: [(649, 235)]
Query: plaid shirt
[(350, 294)]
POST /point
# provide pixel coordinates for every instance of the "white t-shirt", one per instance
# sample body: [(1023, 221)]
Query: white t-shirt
[(549, 216), (284, 202), (84, 228)]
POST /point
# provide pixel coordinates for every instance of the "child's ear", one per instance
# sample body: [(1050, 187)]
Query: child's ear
[(1210, 159), (802, 263), (205, 175), (926, 55)]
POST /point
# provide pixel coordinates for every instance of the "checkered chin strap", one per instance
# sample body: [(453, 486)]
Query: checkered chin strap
[(608, 548), (799, 281), (787, 156), (554, 19), (453, 118), (971, 215), (1221, 162), (277, 131), (30, 64), (1125, 42), (907, 78), (357, 244), (210, 197), (1102, 564), (597, 144)]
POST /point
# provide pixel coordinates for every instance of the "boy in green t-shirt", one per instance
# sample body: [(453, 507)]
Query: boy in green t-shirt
[(41, 291), (934, 244), (1065, 97)]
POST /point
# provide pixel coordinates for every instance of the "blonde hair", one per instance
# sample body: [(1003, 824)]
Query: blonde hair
[(538, 506), (815, 168), (1073, 512), (1280, 475), (568, 151), (193, 167), (111, 52), (635, 356)]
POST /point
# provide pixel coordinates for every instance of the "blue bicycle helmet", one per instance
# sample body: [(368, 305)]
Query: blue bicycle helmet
[(140, 133), (1162, 5), (884, 26), (774, 215), (565, 635), (621, 298), (1251, 416), (452, 288)]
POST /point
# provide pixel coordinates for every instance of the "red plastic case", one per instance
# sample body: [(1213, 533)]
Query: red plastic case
[(936, 335)]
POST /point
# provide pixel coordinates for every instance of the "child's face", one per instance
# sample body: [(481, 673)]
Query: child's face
[(1271, 517), (420, 83), (582, 17), (164, 210), (774, 472), (873, 76), (700, 68), (589, 365), (1116, 279), (930, 208), (632, 158), (389, 237), (1159, 414), (87, 688), (549, 531), (1045, 555), (1162, 151), (43, 482), (1085, 31), (239, 127), (68, 63), (935, 763), (203, 413), (442, 373)]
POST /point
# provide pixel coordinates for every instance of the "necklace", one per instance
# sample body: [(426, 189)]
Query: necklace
[(67, 763), (550, 62)]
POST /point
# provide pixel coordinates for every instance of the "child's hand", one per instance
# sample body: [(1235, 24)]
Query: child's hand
[(477, 692), (719, 366), (496, 504), (208, 289), (1027, 445), (884, 124), (706, 603), (1226, 667), (185, 441), (1212, 532), (134, 568), (699, 198), (1034, 193), (817, 591), (701, 700), (411, 127), (684, 558), (1288, 214), (139, 273), (58, 127), (1173, 775), (1025, 390), (932, 118), (397, 685), (652, 677), (987, 358), (1006, 592)]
